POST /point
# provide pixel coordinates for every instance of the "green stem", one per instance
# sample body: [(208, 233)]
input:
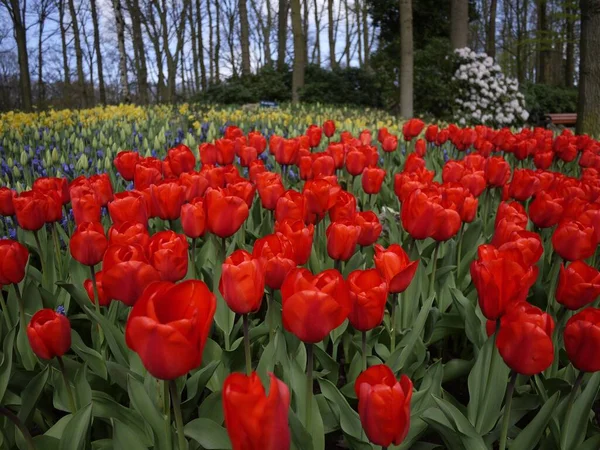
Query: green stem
[(172, 224), (5, 312), (97, 304), (337, 264), (459, 249), (39, 249), (364, 350), (506, 417), (271, 313), (309, 385), (193, 257), (434, 262), (176, 400), (553, 280), (486, 203), (20, 425), (576, 385), (166, 407), (393, 323), (224, 248), (247, 346), (71, 397), (57, 249), (22, 317)]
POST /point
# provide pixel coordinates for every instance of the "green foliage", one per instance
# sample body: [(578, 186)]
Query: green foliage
[(542, 99)]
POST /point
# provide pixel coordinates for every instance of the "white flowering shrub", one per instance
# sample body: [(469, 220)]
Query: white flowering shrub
[(485, 96)]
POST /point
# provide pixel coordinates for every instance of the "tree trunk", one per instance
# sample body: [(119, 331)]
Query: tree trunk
[(347, 46), (406, 59), (101, 88), (365, 26), (588, 107), (267, 35), (317, 50), (41, 85), (543, 69), (195, 61), (358, 32), (305, 29), (331, 37), (78, 54), (63, 40), (201, 45), (218, 46), (245, 36), (124, 84), (490, 39), (282, 18), (459, 23), (211, 61), (299, 55), (138, 43), (570, 51)]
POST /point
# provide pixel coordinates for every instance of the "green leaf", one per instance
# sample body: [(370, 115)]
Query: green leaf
[(91, 357), (210, 435), (83, 391), (143, 404), (473, 326), (301, 439), (197, 382), (487, 385), (124, 438), (349, 420), (529, 436), (31, 394), (573, 431), (6, 365), (75, 433)]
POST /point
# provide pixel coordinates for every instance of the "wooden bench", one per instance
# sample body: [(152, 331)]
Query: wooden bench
[(565, 119)]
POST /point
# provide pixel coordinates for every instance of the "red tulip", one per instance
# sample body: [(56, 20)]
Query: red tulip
[(6, 201), (293, 205), (86, 208), (126, 273), (169, 325), (147, 172), (257, 140), (102, 187), (244, 190), (384, 405), (225, 213), (255, 420), (368, 294), (572, 240), (513, 212), (286, 152), (393, 264), (342, 237), (270, 189), (181, 159), (278, 253), (329, 128), (225, 151), (13, 260), (129, 206), (431, 133), (500, 279), (356, 161), (46, 184), (545, 210), (578, 285), (54, 211), (390, 143), (527, 245), (320, 195), (242, 282), (337, 152), (414, 163), (166, 198), (370, 227), (525, 339), (88, 243), (412, 128), (323, 165), (313, 306), (31, 210), (300, 235), (314, 135), (582, 340), (49, 334), (88, 285), (424, 216), (193, 218), (167, 252), (247, 155), (372, 179), (523, 185), (344, 207), (125, 163), (128, 233), (208, 154), (420, 147)]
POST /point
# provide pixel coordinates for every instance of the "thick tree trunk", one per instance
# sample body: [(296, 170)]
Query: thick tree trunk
[(63, 41), (299, 55), (331, 36), (78, 54), (124, 84), (588, 108), (570, 50), (490, 38), (267, 35), (138, 42), (282, 19), (543, 68), (406, 59), (101, 88), (201, 45), (218, 45), (245, 36), (459, 23)]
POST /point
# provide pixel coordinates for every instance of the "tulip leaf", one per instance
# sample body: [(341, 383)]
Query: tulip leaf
[(31, 394), (91, 357), (75, 433), (210, 435), (487, 385), (301, 439), (143, 404), (349, 420), (196, 383), (7, 360), (573, 431), (224, 317), (592, 443), (529, 436), (124, 438), (473, 326)]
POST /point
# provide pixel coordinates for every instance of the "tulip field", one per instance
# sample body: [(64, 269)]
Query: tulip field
[(298, 277)]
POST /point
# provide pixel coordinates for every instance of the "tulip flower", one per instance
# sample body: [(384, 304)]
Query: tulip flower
[(372, 179), (242, 282), (368, 294), (393, 264), (300, 235), (225, 213), (128, 233), (344, 207), (573, 240), (384, 405), (278, 253), (370, 227), (88, 243), (181, 159), (125, 163), (129, 206), (166, 199), (31, 210), (582, 340), (342, 237), (88, 285), (578, 285), (412, 128), (167, 252), (225, 151)]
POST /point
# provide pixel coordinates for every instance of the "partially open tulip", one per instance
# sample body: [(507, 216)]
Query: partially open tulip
[(424, 216), (225, 213), (148, 171), (578, 285), (242, 283), (30, 208), (412, 128), (125, 163), (193, 218), (342, 237), (167, 252), (545, 210), (270, 189), (372, 179), (582, 340), (314, 135), (278, 253), (13, 260), (525, 339), (128, 233), (344, 207), (255, 420), (169, 325), (129, 206), (6, 201), (573, 240), (225, 151), (88, 285), (329, 128), (368, 294), (49, 334), (46, 184), (88, 243), (320, 195), (395, 267), (384, 405), (370, 227), (166, 199), (181, 159), (314, 305), (300, 235), (497, 171)]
